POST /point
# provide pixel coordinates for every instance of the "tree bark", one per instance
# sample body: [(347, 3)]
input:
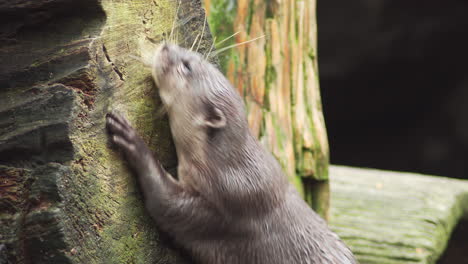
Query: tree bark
[(65, 196), (278, 77)]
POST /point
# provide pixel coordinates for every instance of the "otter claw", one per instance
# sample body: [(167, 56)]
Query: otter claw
[(124, 136), (118, 125), (118, 117), (114, 127), (123, 143)]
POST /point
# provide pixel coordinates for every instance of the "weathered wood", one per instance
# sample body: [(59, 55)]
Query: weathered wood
[(395, 218), (278, 77), (65, 196)]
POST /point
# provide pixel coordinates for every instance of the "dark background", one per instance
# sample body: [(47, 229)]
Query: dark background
[(394, 82)]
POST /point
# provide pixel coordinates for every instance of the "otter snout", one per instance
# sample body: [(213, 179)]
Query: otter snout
[(165, 58), (162, 62), (165, 47)]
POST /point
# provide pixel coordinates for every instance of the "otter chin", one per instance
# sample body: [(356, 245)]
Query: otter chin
[(231, 202)]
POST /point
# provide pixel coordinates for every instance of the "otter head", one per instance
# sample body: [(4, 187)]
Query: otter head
[(202, 105)]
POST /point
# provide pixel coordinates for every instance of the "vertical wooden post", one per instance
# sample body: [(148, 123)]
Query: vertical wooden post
[(278, 77)]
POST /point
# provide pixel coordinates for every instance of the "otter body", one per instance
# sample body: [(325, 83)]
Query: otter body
[(232, 203)]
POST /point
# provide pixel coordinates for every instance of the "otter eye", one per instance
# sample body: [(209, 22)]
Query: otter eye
[(186, 65)]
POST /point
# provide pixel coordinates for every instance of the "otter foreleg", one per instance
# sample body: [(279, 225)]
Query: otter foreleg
[(175, 209)]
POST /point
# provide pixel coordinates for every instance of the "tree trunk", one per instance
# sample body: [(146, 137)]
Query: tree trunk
[(65, 196), (278, 77)]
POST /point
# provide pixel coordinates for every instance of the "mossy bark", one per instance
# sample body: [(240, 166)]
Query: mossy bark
[(65, 195), (278, 77)]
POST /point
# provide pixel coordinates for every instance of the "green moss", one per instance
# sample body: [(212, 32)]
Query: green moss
[(270, 75), (311, 54), (366, 203), (311, 159), (127, 239), (35, 64), (250, 14), (270, 9), (107, 213), (221, 21), (282, 140)]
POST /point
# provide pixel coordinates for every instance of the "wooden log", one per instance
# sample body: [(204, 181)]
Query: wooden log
[(395, 218), (65, 196)]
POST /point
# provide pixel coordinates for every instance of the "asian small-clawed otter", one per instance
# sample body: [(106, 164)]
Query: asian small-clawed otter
[(231, 202)]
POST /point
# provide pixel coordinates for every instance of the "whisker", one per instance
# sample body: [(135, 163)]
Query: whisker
[(235, 45), (194, 42), (136, 58), (174, 22), (211, 48), (224, 40), (144, 60)]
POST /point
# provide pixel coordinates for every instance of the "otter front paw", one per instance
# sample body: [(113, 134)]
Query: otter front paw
[(125, 136)]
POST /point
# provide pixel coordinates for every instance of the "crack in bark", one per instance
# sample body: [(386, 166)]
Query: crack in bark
[(114, 67)]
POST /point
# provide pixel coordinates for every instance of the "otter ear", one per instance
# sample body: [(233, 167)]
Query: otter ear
[(215, 118)]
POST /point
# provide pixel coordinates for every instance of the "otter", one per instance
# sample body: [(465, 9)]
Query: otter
[(231, 203)]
